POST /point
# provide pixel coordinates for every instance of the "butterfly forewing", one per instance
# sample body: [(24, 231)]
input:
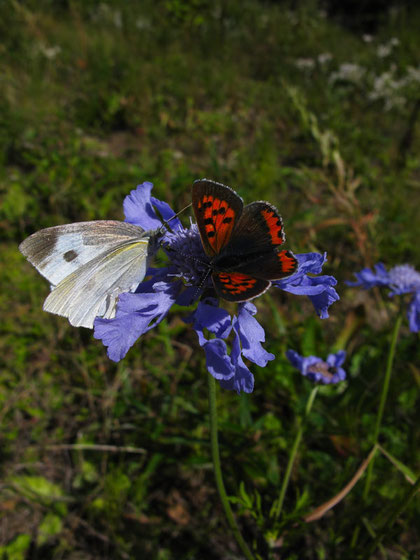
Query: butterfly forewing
[(93, 289), (217, 209), (258, 231), (58, 251)]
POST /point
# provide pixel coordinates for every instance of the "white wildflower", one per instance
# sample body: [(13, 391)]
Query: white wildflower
[(323, 58), (384, 50), (142, 23), (348, 72), (50, 52), (305, 63), (413, 74)]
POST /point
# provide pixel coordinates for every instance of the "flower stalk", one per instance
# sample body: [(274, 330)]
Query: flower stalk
[(384, 394), (278, 506), (218, 471)]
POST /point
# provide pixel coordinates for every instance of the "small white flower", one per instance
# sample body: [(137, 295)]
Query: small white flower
[(117, 19), (384, 50), (142, 23), (413, 74), (348, 72), (305, 63), (50, 52), (323, 58)]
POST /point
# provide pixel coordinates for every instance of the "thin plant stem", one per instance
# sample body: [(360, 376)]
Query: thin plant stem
[(384, 394), (218, 471), (279, 504)]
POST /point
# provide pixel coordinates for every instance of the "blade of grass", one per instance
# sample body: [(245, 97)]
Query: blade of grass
[(322, 509), (409, 475)]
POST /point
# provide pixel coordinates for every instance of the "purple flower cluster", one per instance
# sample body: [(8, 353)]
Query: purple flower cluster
[(316, 369), (182, 282), (401, 279)]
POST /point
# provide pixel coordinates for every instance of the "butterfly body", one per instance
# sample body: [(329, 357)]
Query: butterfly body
[(242, 242), (89, 264)]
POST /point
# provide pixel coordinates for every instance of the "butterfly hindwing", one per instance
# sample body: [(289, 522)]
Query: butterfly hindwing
[(217, 209), (273, 266), (236, 286)]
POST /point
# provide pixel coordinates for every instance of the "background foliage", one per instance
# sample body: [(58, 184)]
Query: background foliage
[(284, 103)]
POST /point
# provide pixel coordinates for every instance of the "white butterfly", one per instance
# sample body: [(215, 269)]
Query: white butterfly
[(89, 264)]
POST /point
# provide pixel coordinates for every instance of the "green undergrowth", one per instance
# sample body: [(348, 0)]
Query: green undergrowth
[(104, 460)]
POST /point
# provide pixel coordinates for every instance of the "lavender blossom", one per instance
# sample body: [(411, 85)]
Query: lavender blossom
[(318, 370), (401, 279)]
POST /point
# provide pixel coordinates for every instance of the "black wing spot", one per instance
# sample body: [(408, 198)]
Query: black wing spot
[(208, 221), (227, 220), (211, 234), (70, 255)]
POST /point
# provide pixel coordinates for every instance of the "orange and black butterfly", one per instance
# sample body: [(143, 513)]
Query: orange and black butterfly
[(242, 242)]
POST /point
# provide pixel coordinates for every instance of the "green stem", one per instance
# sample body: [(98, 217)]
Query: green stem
[(218, 471), (279, 504), (384, 394)]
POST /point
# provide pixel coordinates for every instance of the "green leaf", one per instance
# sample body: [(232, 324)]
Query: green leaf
[(50, 526), (16, 550)]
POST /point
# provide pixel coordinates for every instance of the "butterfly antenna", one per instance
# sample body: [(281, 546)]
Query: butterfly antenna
[(166, 222)]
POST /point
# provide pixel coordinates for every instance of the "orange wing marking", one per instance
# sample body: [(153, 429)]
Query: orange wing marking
[(288, 261), (275, 227), (218, 221), (236, 283)]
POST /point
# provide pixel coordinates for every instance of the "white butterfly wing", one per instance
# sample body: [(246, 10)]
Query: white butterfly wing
[(89, 264), (58, 251), (93, 289)]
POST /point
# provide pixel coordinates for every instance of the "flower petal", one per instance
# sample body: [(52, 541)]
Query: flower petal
[(366, 278), (322, 301), (218, 362), (209, 316), (414, 313), (251, 334), (136, 314), (167, 214), (242, 380), (336, 360), (319, 289), (138, 208)]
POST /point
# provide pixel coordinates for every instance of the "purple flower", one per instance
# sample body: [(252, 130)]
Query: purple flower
[(227, 340), (401, 279), (316, 369), (319, 289), (247, 335), (414, 313)]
